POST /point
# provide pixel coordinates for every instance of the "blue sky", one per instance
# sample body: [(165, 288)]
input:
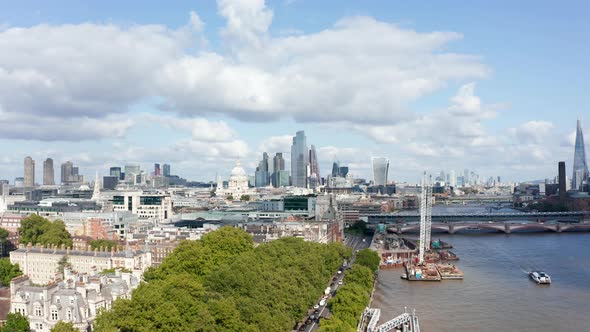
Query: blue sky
[(491, 86)]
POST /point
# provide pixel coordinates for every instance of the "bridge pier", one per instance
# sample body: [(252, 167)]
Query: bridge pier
[(558, 228), (507, 228), (451, 229)]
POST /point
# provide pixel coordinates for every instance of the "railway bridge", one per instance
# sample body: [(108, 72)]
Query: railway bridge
[(494, 217), (505, 227)]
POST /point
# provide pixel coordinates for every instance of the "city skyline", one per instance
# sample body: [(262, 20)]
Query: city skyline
[(479, 106)]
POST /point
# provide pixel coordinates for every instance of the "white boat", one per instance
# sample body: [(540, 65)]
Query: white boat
[(540, 277)]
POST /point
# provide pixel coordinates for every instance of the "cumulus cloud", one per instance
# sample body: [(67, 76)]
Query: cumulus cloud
[(532, 132), (94, 70), (276, 144)]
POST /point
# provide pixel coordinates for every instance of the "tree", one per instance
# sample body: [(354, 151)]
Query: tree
[(3, 234), (38, 230), (63, 264), (245, 198), (8, 271), (108, 244), (223, 283), (16, 323), (62, 326), (229, 198), (368, 258)]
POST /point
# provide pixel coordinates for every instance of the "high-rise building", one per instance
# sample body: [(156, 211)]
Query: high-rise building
[(262, 175), (299, 160), (380, 170), (70, 174), (116, 172), (279, 177), (131, 171), (466, 177), (157, 170), (278, 163), (453, 179), (562, 180), (66, 171), (580, 174), (166, 169), (48, 172), (336, 169), (29, 172), (314, 168), (110, 182)]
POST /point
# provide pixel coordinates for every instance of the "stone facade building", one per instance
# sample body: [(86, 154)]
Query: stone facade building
[(75, 299), (42, 264)]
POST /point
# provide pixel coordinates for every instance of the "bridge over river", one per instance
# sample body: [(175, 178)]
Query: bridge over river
[(563, 217), (505, 227)]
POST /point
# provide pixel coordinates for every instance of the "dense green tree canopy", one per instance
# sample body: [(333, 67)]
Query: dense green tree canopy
[(62, 326), (15, 323), (8, 271), (368, 258), (38, 230), (223, 283), (352, 297), (97, 244), (3, 234)]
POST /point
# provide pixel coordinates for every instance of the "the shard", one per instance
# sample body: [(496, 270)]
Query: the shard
[(580, 164)]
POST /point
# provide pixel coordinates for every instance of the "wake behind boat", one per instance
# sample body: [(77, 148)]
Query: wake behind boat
[(540, 277)]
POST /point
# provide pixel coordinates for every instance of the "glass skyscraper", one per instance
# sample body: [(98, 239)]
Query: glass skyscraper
[(299, 160), (314, 177), (380, 170), (580, 164)]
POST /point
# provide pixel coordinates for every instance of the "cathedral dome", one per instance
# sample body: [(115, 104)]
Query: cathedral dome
[(238, 174)]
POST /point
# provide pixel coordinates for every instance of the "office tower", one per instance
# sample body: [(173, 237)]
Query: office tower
[(380, 170), (314, 168), (336, 169), (262, 175), (166, 170), (452, 179), (279, 177), (278, 163), (48, 172), (580, 173), (29, 181), (343, 171), (131, 171), (110, 182), (299, 160), (562, 180), (157, 170), (70, 174), (116, 172), (466, 177)]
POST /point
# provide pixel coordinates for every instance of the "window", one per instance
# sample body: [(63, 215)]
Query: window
[(69, 314), (53, 314), (71, 300), (37, 310)]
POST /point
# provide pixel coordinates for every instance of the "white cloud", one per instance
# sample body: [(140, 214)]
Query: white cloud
[(340, 73), (276, 144), (532, 132)]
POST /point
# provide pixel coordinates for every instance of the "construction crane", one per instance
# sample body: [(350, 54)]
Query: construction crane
[(425, 216)]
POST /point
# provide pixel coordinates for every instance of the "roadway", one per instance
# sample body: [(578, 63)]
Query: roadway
[(311, 324)]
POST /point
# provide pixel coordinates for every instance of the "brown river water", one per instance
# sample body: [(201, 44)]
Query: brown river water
[(497, 294)]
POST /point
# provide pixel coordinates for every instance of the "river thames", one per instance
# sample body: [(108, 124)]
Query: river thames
[(497, 293)]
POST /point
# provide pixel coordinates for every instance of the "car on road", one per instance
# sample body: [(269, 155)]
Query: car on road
[(340, 282), (316, 306), (322, 302), (364, 240), (339, 271)]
